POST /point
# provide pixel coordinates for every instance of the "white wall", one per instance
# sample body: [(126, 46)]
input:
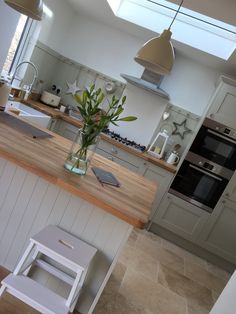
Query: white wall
[(55, 29), (190, 84), (8, 22), (147, 107), (111, 52), (105, 49)]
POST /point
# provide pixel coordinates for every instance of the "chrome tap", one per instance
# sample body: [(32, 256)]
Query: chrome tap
[(35, 74)]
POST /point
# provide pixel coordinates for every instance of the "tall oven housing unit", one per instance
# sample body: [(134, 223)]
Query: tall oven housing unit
[(208, 166)]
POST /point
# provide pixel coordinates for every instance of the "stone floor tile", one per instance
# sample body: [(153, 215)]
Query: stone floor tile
[(118, 304), (204, 277), (152, 296), (184, 253), (116, 278), (195, 293), (153, 249), (144, 264), (196, 309), (219, 272), (133, 237), (126, 254)]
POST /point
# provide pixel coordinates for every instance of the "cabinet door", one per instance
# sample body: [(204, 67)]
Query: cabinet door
[(181, 217), (161, 177), (219, 234), (66, 130), (230, 191), (223, 107)]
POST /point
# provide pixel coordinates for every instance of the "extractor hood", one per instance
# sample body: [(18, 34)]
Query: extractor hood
[(149, 81)]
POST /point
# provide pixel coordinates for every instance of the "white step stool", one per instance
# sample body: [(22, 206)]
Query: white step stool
[(61, 247)]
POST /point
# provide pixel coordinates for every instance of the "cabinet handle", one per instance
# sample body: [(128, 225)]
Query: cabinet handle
[(212, 115), (114, 151)]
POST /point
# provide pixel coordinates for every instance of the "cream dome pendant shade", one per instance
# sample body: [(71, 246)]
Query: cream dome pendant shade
[(157, 54), (31, 8)]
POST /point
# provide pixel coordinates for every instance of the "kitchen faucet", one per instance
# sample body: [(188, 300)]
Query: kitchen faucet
[(35, 74)]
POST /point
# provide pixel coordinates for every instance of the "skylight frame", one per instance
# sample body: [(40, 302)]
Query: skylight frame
[(205, 29)]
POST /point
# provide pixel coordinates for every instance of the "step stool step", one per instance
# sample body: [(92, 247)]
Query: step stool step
[(65, 246), (35, 295)]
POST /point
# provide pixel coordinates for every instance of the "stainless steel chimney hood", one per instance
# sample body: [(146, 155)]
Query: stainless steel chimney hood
[(149, 81)]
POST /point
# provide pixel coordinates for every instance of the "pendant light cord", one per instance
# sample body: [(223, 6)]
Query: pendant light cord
[(176, 14)]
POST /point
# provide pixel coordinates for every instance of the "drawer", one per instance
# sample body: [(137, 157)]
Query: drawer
[(120, 153)]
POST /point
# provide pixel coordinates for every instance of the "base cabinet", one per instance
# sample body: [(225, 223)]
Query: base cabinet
[(161, 177), (219, 234), (181, 217)]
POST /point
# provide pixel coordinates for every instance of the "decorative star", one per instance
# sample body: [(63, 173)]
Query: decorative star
[(181, 131), (72, 88)]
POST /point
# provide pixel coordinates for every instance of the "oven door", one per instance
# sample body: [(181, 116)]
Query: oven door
[(198, 186), (215, 147)]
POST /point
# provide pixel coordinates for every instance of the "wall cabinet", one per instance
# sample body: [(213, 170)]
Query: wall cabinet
[(223, 104), (181, 217), (219, 234)]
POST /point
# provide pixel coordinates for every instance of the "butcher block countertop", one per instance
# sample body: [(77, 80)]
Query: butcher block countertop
[(60, 115), (131, 202)]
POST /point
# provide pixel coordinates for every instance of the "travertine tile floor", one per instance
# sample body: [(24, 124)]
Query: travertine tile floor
[(154, 276)]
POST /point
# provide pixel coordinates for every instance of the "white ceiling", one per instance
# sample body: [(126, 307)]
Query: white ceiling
[(219, 9)]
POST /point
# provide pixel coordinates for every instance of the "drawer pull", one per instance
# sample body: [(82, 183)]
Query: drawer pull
[(114, 151)]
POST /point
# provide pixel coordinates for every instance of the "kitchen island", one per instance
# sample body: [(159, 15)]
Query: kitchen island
[(37, 191)]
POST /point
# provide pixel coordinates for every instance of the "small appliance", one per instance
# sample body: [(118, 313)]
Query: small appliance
[(50, 99)]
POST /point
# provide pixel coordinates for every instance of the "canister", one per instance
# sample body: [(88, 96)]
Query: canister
[(5, 89)]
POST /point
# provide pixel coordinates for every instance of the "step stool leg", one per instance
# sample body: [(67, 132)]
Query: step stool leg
[(23, 258), (2, 289), (26, 271), (73, 291)]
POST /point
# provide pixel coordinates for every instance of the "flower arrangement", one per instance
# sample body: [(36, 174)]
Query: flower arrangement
[(95, 120)]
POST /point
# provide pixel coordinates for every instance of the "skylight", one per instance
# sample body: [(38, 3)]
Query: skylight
[(194, 29)]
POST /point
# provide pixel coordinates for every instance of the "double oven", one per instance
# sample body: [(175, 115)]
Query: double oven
[(208, 166)]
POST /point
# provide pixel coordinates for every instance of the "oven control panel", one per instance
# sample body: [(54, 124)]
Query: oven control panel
[(209, 166)]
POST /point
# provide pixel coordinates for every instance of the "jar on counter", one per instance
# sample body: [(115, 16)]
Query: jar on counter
[(5, 89)]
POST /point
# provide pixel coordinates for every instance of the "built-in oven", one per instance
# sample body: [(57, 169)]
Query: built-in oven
[(217, 143), (200, 181)]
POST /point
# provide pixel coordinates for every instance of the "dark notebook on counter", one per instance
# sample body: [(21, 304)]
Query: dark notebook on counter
[(105, 177)]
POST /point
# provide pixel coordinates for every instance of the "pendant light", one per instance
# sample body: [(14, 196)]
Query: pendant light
[(157, 54), (31, 8)]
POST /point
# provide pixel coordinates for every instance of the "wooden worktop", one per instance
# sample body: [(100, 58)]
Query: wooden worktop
[(60, 115), (131, 202)]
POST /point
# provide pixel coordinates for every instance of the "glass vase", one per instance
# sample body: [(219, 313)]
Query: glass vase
[(82, 150)]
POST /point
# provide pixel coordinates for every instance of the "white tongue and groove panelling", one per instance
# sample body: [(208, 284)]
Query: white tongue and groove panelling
[(29, 203)]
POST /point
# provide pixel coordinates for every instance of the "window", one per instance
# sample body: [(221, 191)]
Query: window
[(16, 42), (191, 28)]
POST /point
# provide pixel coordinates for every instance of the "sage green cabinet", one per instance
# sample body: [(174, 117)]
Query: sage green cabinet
[(219, 234), (162, 177), (65, 129), (223, 103), (120, 156), (181, 217)]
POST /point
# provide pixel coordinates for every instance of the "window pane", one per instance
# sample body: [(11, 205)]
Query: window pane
[(14, 43)]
